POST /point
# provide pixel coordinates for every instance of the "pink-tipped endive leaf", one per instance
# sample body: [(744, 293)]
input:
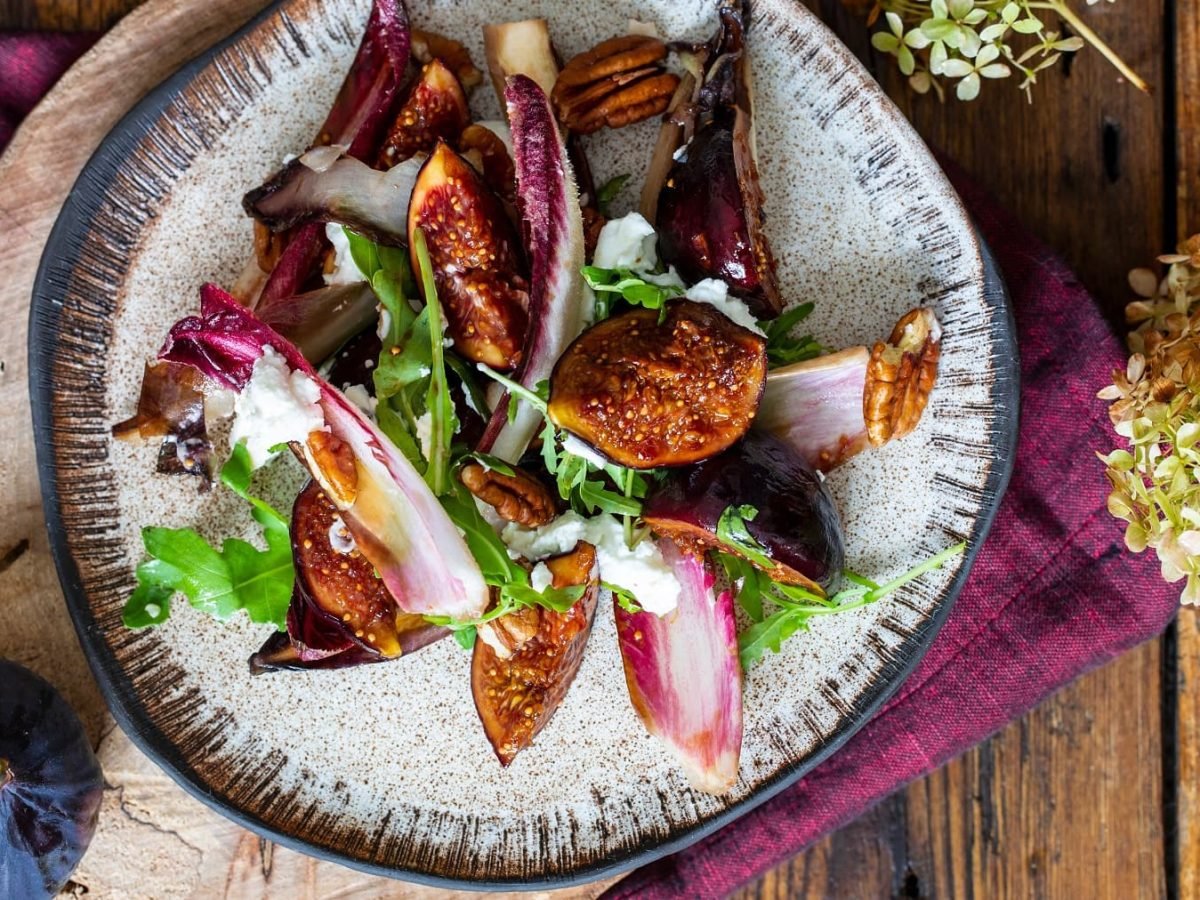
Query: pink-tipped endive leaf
[(348, 192), (356, 121), (816, 406), (549, 203), (684, 677), (395, 519)]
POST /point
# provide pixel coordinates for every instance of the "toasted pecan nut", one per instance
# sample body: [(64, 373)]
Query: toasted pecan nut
[(900, 375), (429, 45), (616, 83), (593, 223), (519, 497), (509, 633)]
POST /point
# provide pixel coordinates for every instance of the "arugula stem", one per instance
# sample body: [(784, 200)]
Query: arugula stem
[(934, 562), (628, 487), (515, 387), (438, 403)]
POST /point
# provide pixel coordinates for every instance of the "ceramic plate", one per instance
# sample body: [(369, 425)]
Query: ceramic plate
[(385, 767)]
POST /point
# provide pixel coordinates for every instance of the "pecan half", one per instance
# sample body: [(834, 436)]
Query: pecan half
[(900, 375), (616, 83), (429, 45), (268, 246), (519, 497), (508, 634)]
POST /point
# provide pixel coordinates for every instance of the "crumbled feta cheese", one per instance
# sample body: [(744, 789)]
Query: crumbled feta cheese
[(424, 427), (541, 577), (340, 538), (627, 243), (360, 397), (344, 269), (576, 447), (681, 152), (384, 328), (218, 403), (642, 571), (276, 406), (715, 293)]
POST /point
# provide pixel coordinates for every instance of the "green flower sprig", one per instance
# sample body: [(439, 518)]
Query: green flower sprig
[(968, 41), (1155, 408)]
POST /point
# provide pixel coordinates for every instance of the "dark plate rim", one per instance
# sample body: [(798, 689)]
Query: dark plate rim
[(60, 258)]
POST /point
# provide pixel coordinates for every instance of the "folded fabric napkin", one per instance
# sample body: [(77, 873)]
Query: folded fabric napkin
[(1053, 592)]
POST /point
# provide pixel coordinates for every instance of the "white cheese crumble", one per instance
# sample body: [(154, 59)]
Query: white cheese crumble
[(361, 397), (576, 447), (541, 577), (276, 406), (627, 243), (642, 571), (340, 538), (344, 269), (715, 293), (424, 428)]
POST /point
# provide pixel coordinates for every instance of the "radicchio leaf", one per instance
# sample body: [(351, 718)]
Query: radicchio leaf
[(356, 121), (684, 677), (549, 204), (816, 406), (396, 521)]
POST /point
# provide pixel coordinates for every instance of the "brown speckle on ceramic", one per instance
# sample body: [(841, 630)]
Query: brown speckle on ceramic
[(386, 766)]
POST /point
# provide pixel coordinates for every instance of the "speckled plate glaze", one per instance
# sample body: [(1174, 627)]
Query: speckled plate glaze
[(385, 767)]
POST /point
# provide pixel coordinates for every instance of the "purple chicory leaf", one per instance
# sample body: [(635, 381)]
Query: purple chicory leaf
[(396, 521), (816, 406), (684, 677), (348, 192), (549, 203), (356, 121)]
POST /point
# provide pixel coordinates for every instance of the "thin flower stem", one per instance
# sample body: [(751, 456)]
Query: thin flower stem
[(1081, 28)]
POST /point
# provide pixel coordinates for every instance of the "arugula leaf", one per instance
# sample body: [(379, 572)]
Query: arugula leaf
[(624, 597), (608, 191), (239, 576), (371, 258), (630, 286), (748, 582), (782, 348), (796, 605), (732, 531)]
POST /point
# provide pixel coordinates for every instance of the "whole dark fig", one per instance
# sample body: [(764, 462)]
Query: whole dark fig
[(50, 786), (796, 522), (710, 209)]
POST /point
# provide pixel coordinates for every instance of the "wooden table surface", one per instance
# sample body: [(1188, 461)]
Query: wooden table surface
[(1092, 794)]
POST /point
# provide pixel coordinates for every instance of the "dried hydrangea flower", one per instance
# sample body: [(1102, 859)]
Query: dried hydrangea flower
[(1155, 405)]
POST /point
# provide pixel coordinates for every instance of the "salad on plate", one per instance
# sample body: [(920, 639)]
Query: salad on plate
[(515, 407)]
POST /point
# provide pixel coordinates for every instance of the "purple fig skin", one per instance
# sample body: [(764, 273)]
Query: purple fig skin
[(50, 786), (797, 520), (710, 210)]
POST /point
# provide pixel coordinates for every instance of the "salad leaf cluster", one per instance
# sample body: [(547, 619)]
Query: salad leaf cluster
[(794, 606), (220, 582)]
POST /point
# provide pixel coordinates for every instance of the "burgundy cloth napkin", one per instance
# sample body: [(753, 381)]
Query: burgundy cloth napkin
[(1052, 594)]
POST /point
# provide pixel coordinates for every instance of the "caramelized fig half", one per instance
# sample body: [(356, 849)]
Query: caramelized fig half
[(797, 523), (435, 110), (516, 696), (341, 612), (477, 263), (647, 393)]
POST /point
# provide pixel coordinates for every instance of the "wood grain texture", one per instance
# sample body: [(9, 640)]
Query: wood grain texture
[(934, 837)]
